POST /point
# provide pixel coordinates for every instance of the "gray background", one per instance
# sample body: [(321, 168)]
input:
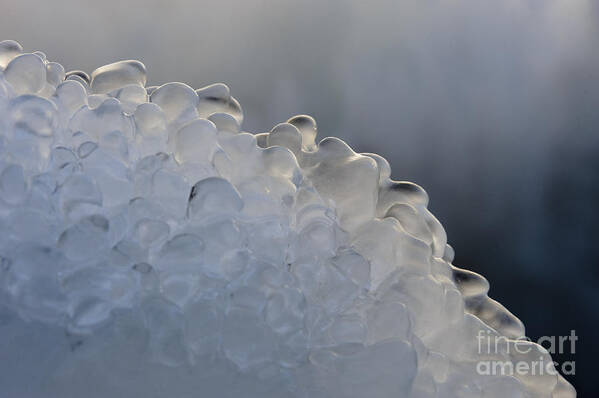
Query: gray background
[(491, 106)]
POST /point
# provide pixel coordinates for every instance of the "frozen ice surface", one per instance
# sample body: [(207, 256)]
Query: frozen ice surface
[(150, 248)]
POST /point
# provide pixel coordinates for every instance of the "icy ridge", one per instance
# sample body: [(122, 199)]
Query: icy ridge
[(151, 246)]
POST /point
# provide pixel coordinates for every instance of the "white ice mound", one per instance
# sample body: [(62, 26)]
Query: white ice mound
[(150, 248)]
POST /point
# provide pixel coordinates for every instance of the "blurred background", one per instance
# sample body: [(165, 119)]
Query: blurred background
[(491, 106)]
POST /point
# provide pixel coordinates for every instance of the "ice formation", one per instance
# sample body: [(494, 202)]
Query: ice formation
[(150, 248)]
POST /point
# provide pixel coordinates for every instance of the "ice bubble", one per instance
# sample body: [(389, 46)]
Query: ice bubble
[(117, 75), (8, 50), (178, 101), (150, 121), (55, 73), (307, 127), (286, 135), (216, 98), (152, 248), (26, 73), (224, 122), (214, 195), (195, 141), (78, 75)]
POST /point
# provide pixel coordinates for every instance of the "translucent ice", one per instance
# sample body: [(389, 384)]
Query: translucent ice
[(151, 248), (118, 75), (8, 50), (26, 73)]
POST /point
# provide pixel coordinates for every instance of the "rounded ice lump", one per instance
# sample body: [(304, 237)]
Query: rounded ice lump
[(151, 248)]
